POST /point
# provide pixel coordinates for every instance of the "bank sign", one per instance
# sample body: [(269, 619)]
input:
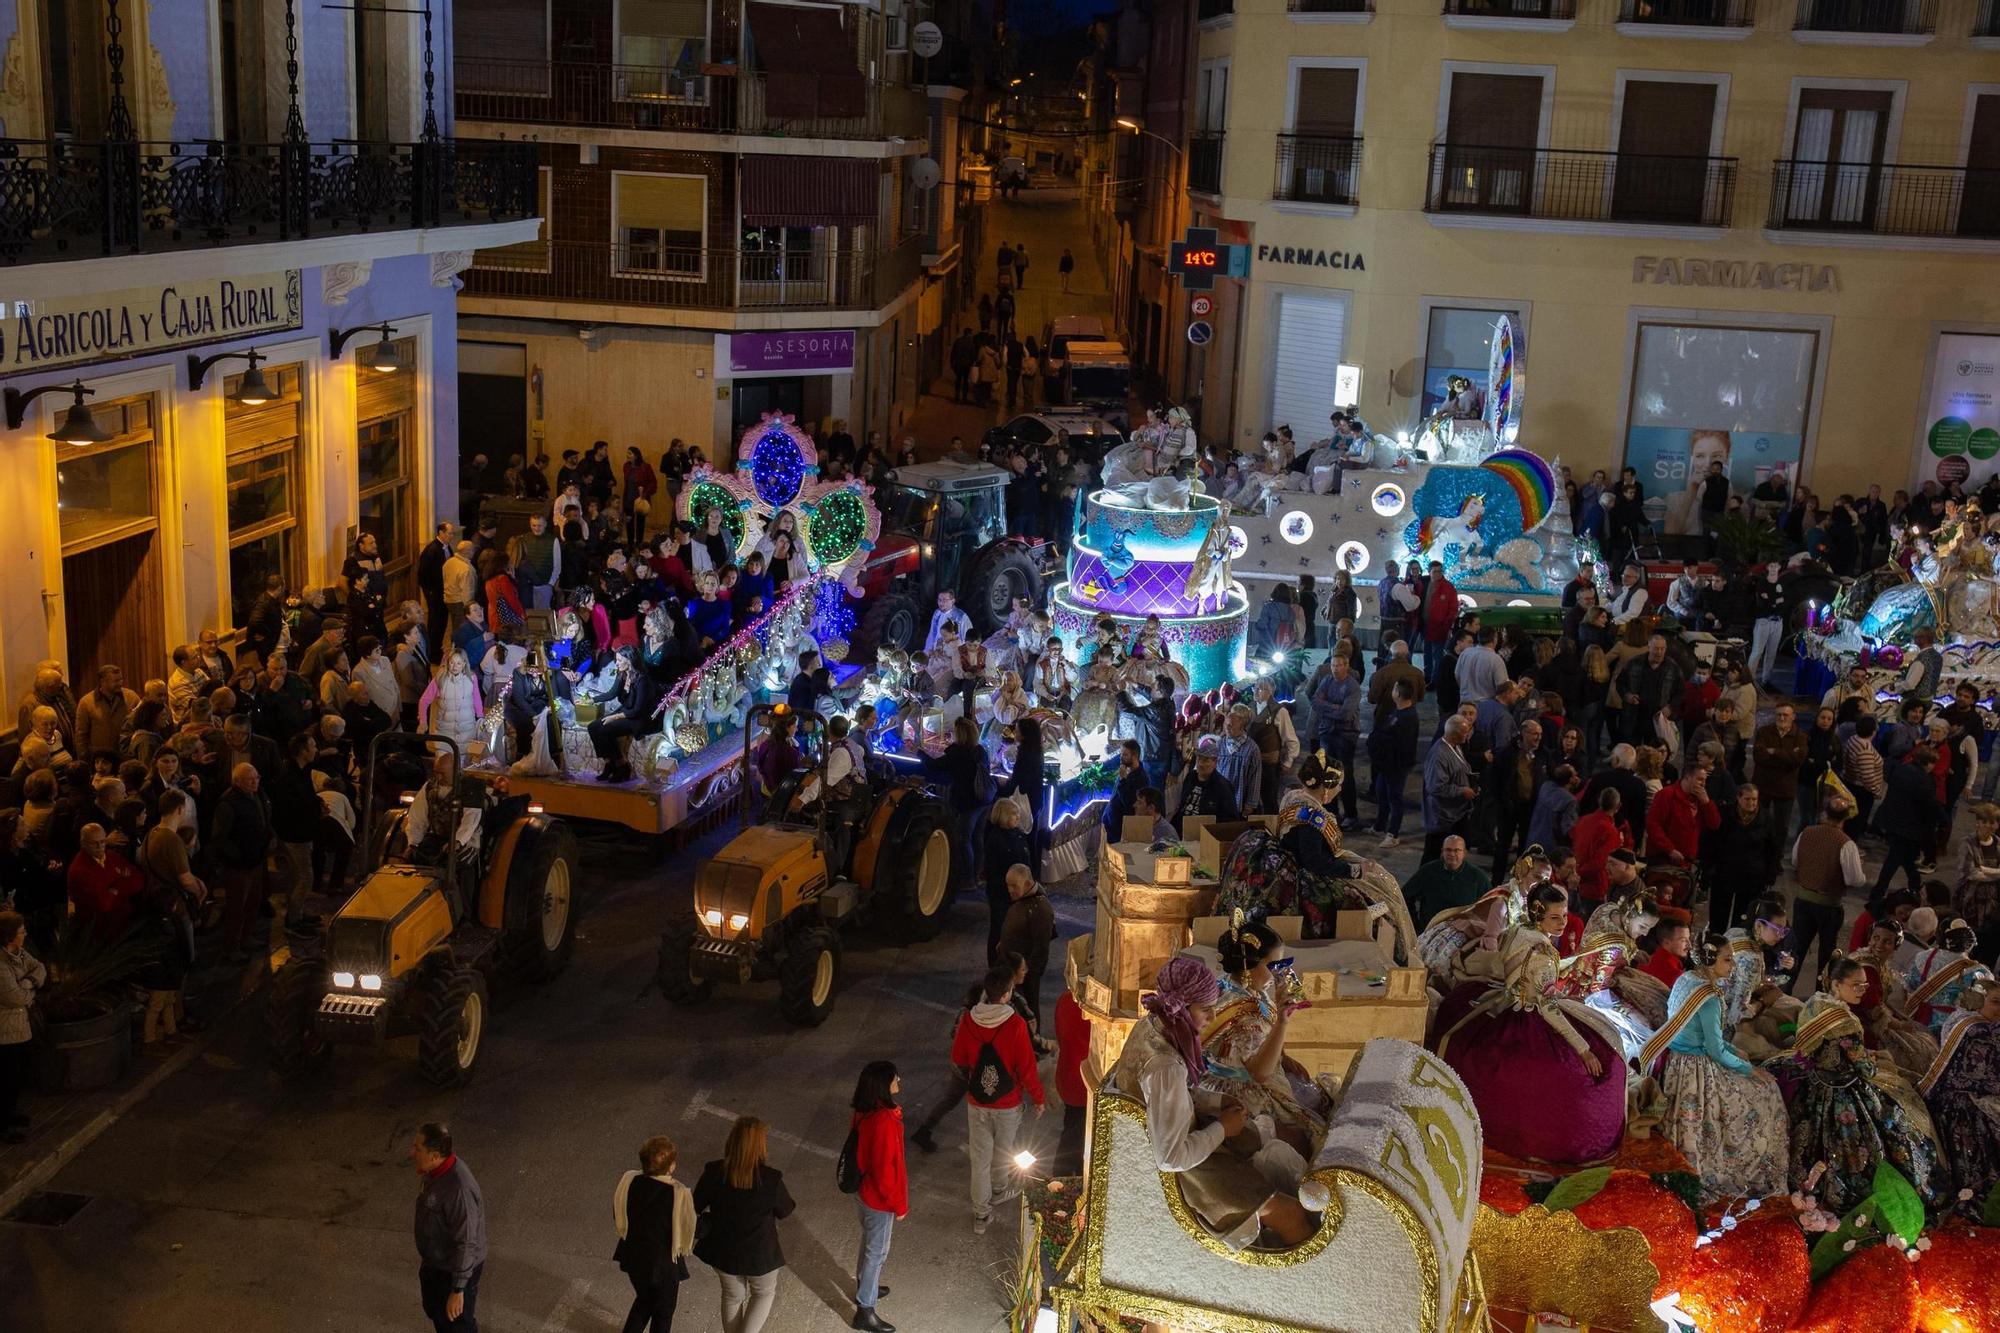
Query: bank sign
[(791, 352), (112, 326)]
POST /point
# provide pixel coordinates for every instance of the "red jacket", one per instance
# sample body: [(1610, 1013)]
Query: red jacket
[(501, 592), (104, 894), (1072, 1047), (878, 1151), (1593, 839), (1017, 1051), (1696, 700), (1667, 967), (1674, 823), (1439, 608)]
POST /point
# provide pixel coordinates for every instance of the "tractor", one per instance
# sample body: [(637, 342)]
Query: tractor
[(944, 527), (771, 904), (485, 891)]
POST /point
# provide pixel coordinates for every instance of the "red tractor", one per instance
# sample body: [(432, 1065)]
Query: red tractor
[(944, 526)]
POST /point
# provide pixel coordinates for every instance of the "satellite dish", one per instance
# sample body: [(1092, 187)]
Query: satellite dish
[(927, 39), (924, 173)]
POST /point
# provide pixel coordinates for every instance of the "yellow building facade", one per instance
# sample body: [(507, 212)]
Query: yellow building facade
[(1769, 228)]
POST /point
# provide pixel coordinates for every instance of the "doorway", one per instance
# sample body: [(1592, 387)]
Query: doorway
[(111, 600), (113, 587), (1492, 132), (1663, 140), (371, 71), (751, 399), (74, 93), (1979, 209)]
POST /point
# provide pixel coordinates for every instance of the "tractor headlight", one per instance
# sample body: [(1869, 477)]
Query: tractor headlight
[(713, 918), (737, 920), (370, 981), (343, 980)]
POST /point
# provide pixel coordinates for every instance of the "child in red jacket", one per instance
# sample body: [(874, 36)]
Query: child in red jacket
[(994, 1053), (1072, 1048)]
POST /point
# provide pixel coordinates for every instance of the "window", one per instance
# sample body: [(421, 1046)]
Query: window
[(661, 46), (1667, 131), (1211, 98), (1838, 144), (384, 465), (1319, 157), (1312, 330), (263, 489), (526, 256), (105, 492), (1458, 340), (1492, 131), (1979, 207), (659, 224)]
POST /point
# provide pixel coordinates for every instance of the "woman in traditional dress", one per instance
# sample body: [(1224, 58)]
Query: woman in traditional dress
[(1223, 1163), (1245, 1042), (1300, 871), (1544, 1070), (1962, 1089), (1604, 976), (1447, 944), (1938, 973), (1150, 639), (1850, 1110), (1881, 1009), (1725, 1115)]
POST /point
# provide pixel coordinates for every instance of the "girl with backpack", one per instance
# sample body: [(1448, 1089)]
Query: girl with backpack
[(871, 1168)]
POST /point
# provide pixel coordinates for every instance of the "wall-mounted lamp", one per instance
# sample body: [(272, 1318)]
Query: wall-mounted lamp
[(251, 391), (77, 426), (382, 358)]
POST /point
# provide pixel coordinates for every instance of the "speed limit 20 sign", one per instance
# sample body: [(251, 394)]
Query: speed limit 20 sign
[(1201, 306)]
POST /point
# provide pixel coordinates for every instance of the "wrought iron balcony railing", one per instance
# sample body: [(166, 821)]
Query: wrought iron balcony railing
[(647, 97), (1579, 186), (697, 279), (62, 200), (1554, 10), (1689, 13), (1317, 168), (1204, 163), (1909, 18), (1885, 199)]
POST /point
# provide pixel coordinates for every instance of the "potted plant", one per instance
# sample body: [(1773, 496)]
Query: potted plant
[(85, 1040), (1745, 543)]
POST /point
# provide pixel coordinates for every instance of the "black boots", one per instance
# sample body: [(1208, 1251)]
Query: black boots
[(870, 1322)]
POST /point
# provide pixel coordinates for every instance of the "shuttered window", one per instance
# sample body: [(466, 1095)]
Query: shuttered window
[(1312, 329), (500, 45), (658, 223), (1326, 102)]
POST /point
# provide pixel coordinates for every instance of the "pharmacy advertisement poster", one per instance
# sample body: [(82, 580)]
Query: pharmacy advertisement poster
[(1961, 427)]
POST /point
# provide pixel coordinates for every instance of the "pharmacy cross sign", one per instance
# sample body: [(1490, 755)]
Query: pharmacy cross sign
[(1196, 258)]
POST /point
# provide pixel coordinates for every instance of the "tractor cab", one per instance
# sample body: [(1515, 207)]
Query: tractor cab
[(944, 527)]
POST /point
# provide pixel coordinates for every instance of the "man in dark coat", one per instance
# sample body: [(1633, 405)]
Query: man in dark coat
[(430, 582)]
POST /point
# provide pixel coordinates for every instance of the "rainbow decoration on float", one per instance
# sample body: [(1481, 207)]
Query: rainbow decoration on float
[(1532, 481), (1503, 388)]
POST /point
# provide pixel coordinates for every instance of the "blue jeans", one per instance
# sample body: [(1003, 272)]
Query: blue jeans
[(1433, 649), (1389, 800), (875, 1228)]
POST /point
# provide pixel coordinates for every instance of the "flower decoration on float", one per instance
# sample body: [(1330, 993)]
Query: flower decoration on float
[(779, 458)]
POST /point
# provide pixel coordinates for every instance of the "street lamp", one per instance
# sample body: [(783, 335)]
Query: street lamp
[(1128, 123), (78, 426)]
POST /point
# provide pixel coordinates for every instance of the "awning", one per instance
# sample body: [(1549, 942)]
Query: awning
[(809, 191), (807, 60)]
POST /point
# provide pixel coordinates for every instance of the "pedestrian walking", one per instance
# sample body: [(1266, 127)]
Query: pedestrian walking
[(1020, 267), (1029, 927), (1066, 266), (21, 976), (451, 1232), (654, 1214), (1004, 264), (882, 1186), (740, 1199), (953, 1094), (996, 1056)]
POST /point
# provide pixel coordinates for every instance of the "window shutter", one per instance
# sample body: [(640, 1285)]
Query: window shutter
[(501, 30), (1312, 329), (671, 203)]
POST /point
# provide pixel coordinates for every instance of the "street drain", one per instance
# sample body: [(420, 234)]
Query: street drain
[(47, 1208)]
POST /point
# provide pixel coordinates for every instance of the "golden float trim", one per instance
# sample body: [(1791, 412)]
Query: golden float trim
[(1538, 1260)]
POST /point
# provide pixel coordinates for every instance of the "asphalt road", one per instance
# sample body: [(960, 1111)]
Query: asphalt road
[(234, 1199)]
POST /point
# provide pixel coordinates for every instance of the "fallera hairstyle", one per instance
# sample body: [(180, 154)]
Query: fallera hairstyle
[(1243, 947)]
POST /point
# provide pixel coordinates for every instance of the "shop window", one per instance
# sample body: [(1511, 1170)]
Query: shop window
[(658, 224), (384, 455), (264, 499), (1458, 341), (105, 492)]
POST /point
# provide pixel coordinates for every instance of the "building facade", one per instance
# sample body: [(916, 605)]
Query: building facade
[(1763, 230), (751, 207), (187, 185)]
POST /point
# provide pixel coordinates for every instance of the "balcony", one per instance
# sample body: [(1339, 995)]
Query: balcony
[(1885, 200), (1563, 185), (1720, 18), (1204, 163), (1317, 169), (1882, 22), (646, 97), (1339, 8), (66, 200), (602, 273), (1509, 13)]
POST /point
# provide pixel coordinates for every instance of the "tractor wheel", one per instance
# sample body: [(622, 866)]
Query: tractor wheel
[(1000, 573), (452, 1027), (890, 622), (921, 877), (675, 974), (289, 1010), (540, 908), (809, 976)]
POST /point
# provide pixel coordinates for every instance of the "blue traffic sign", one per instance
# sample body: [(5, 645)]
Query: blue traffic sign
[(1200, 332)]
